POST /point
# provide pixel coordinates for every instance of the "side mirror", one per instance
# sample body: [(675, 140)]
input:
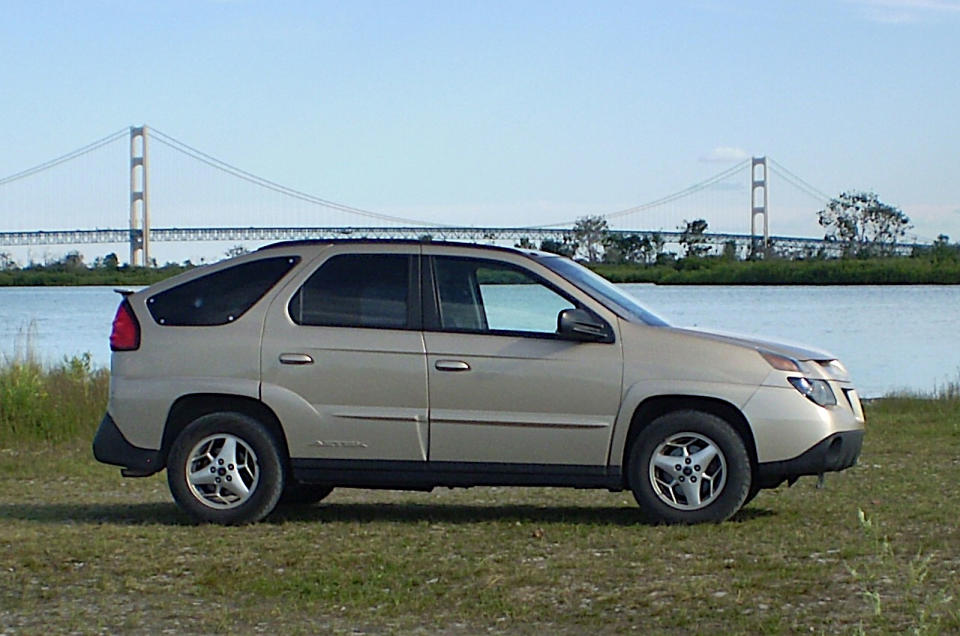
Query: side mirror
[(580, 324)]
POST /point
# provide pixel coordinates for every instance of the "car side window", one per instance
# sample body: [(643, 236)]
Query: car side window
[(220, 297), (356, 290), (483, 295)]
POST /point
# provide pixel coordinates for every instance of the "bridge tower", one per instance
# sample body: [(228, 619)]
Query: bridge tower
[(758, 205), (139, 197)]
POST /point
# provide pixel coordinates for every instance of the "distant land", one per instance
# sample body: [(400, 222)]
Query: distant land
[(690, 271)]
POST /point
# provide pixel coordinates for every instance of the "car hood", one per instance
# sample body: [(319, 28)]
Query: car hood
[(795, 351)]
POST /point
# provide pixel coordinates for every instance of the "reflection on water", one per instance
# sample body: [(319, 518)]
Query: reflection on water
[(890, 337)]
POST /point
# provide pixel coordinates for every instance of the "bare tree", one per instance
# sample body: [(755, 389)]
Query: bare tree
[(236, 250), (692, 238), (654, 248), (590, 233)]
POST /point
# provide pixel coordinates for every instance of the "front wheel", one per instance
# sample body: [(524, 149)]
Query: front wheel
[(689, 467), (225, 468)]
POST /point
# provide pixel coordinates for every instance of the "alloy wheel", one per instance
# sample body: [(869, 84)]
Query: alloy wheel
[(688, 471), (222, 471)]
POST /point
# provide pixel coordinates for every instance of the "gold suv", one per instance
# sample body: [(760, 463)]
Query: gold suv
[(305, 366)]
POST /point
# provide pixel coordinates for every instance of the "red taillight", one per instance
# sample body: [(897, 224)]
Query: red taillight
[(126, 329)]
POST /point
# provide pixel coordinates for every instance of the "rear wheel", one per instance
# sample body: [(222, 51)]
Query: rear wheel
[(689, 467), (225, 468)]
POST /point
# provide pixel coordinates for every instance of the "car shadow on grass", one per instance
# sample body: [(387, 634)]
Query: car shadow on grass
[(168, 514), (158, 513), (452, 513)]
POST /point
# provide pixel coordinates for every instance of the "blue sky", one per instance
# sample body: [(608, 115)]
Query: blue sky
[(504, 112)]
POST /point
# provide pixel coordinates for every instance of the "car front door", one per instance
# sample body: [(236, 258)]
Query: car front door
[(343, 361), (504, 386)]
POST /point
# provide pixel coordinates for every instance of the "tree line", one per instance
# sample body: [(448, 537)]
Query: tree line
[(71, 269), (858, 223)]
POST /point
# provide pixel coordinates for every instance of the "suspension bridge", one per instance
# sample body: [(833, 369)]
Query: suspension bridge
[(198, 197)]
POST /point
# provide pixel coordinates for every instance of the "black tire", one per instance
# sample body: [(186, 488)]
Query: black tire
[(297, 494), (672, 443), (249, 479)]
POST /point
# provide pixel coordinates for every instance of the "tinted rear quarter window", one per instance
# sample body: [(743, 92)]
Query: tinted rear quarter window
[(220, 297)]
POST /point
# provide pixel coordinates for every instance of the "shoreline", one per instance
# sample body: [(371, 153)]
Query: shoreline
[(705, 271), (890, 271)]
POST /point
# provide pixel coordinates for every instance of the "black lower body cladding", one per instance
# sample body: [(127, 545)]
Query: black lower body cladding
[(111, 447), (836, 452)]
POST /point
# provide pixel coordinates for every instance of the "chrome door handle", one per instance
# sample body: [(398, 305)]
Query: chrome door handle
[(451, 365), (295, 358)]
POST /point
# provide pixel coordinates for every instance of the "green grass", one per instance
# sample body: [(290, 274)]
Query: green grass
[(876, 551), (50, 404)]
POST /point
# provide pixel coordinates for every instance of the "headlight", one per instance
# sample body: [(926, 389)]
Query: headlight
[(817, 391)]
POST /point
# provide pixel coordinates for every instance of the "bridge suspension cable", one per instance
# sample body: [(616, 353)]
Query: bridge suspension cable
[(239, 173), (693, 189), (823, 198), (79, 152), (697, 187), (798, 183)]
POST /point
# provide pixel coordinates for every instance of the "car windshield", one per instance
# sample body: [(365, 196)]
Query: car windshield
[(602, 289)]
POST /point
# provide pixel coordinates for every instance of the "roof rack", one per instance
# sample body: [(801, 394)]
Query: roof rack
[(388, 241)]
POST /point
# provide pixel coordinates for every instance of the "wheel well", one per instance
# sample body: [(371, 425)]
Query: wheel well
[(652, 408), (190, 407)]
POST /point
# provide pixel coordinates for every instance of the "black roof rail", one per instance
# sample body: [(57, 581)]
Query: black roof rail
[(389, 241)]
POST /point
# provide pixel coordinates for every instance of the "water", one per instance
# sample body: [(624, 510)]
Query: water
[(890, 337), (57, 322)]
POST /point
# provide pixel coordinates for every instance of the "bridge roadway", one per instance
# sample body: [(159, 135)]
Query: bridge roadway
[(82, 237)]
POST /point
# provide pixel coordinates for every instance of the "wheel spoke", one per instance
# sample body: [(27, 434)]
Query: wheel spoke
[(691, 493), (221, 495), (711, 485), (228, 453), (666, 463), (703, 457), (237, 487), (202, 477)]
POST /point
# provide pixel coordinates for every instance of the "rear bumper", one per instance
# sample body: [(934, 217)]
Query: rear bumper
[(111, 447), (836, 452)]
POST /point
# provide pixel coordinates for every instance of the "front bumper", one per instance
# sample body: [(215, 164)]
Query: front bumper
[(785, 424), (111, 447), (836, 452)]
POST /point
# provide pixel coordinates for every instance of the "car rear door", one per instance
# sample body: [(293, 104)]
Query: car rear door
[(343, 360)]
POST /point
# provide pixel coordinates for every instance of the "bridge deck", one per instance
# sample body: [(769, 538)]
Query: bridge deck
[(82, 237)]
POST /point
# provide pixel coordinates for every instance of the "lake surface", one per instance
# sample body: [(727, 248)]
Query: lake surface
[(890, 337)]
